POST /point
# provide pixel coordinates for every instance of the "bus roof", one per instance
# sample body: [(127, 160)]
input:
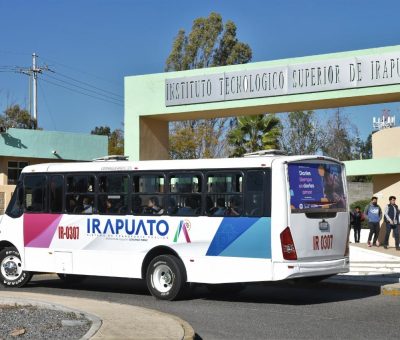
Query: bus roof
[(217, 163)]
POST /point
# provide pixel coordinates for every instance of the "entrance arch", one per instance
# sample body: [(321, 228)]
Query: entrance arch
[(307, 83)]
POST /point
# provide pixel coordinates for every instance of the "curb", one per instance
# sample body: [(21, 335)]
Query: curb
[(391, 290), (103, 319), (188, 331), (96, 321)]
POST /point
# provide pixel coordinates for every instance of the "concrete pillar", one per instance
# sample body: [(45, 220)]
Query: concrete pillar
[(384, 187), (153, 139)]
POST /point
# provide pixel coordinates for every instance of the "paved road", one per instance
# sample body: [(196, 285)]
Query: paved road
[(259, 312)]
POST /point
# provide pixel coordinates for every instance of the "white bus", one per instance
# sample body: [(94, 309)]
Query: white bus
[(211, 221)]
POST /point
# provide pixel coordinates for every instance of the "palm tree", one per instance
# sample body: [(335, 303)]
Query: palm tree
[(254, 133)]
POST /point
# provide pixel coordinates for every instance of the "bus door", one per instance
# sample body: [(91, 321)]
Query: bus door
[(48, 241), (318, 220), (39, 226)]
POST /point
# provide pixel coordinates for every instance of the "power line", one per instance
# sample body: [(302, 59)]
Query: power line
[(108, 94), (10, 68), (84, 88), (15, 53), (85, 94), (95, 87), (47, 105), (79, 70)]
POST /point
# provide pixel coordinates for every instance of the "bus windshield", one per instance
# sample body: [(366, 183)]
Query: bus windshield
[(316, 187)]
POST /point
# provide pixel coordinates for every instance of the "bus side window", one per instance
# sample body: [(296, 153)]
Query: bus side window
[(255, 197), (185, 194), (80, 194), (113, 196), (35, 193), (56, 193), (148, 194), (224, 195)]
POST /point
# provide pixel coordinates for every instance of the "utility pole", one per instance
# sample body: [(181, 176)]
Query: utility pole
[(35, 72)]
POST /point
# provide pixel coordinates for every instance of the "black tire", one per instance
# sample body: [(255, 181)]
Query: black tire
[(11, 273), (71, 278), (226, 288), (166, 277)]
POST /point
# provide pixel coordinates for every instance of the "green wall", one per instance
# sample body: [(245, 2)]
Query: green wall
[(41, 144)]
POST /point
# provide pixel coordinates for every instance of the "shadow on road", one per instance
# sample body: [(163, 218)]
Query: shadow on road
[(296, 294), (91, 283), (283, 293)]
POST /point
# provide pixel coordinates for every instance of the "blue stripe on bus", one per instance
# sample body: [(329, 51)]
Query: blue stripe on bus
[(242, 237)]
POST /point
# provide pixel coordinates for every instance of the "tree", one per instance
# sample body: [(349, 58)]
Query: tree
[(101, 130), (197, 139), (115, 139), (301, 133), (363, 150), (366, 148), (254, 133), (16, 117), (340, 137), (210, 43)]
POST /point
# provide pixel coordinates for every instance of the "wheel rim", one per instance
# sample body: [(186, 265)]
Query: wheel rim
[(163, 278), (11, 267)]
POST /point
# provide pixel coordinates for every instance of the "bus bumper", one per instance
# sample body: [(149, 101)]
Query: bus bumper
[(289, 270)]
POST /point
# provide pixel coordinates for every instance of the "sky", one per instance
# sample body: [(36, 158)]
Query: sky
[(89, 46)]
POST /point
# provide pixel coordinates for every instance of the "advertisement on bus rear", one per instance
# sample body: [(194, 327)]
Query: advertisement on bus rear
[(316, 187)]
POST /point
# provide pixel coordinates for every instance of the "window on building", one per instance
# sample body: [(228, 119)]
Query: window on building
[(185, 194), (80, 194), (35, 193), (14, 170), (224, 194), (113, 194), (148, 194)]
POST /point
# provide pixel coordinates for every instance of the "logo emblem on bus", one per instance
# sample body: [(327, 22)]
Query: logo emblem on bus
[(184, 226), (324, 225)]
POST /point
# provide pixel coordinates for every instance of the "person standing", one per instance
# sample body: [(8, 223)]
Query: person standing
[(374, 214), (392, 220), (357, 218)]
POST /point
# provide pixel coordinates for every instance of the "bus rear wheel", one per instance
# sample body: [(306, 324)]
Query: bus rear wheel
[(11, 271), (166, 277)]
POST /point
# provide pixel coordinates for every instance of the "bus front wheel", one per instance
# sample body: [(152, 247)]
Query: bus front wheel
[(11, 271), (166, 277)]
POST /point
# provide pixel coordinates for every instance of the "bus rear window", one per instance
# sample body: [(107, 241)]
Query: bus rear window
[(316, 187)]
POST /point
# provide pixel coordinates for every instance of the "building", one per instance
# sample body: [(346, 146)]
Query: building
[(384, 167), (22, 147)]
